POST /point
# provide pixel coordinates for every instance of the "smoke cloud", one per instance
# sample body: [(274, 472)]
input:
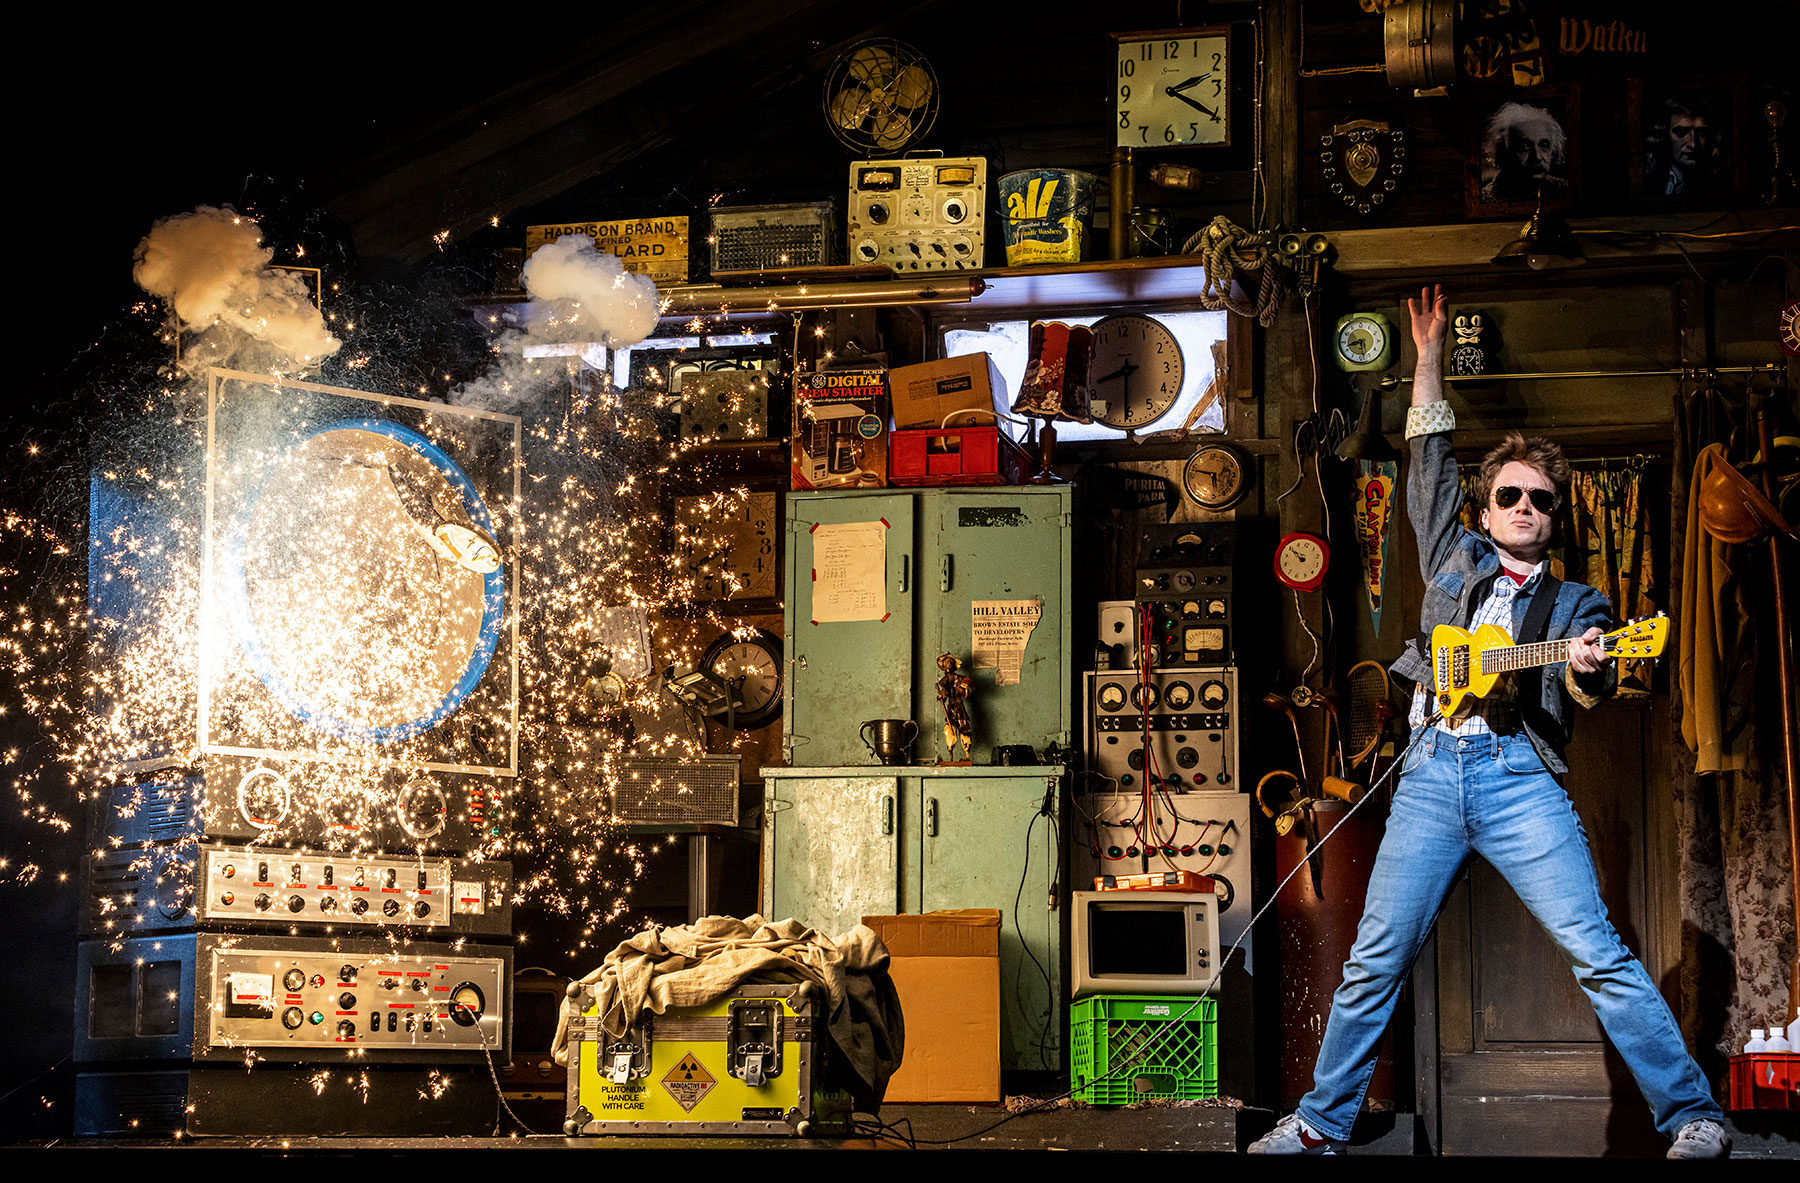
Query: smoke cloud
[(588, 295), (211, 268)]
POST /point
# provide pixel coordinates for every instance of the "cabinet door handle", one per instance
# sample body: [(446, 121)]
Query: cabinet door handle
[(944, 574), (931, 817), (887, 815), (905, 571)]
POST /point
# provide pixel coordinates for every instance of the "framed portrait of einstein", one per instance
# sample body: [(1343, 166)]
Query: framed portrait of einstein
[(1687, 140), (1523, 142)]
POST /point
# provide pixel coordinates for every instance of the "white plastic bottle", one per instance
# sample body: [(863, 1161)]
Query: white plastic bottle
[(1757, 1042), (1778, 1040)]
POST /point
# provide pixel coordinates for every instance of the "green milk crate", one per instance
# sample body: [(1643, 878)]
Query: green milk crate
[(1140, 1047)]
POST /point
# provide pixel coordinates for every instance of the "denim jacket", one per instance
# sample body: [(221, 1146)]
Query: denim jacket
[(1459, 564)]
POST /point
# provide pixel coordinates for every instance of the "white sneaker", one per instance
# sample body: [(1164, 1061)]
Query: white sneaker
[(1700, 1138), (1293, 1136)]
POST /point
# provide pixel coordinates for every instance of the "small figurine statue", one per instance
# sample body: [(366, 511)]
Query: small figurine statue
[(953, 692), (1475, 344)]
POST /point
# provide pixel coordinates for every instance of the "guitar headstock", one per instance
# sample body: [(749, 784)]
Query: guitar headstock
[(1644, 637)]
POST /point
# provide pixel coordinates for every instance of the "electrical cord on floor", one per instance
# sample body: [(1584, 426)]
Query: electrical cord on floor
[(493, 1074), (1171, 1027)]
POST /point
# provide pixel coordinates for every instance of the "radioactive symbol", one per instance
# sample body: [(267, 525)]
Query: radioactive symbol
[(687, 1082)]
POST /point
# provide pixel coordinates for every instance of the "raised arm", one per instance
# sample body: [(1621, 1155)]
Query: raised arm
[(1433, 492)]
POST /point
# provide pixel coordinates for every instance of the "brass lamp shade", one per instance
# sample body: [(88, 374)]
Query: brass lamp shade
[(1546, 244)]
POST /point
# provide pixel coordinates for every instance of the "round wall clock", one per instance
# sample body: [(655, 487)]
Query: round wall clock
[(1216, 476), (1364, 341), (1790, 328), (1301, 560), (1138, 369), (750, 667)]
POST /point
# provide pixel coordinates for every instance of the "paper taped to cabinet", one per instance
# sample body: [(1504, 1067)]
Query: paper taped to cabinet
[(849, 571), (998, 631)]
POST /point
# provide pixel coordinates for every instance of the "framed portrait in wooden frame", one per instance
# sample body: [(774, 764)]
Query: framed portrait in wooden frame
[(1520, 143), (1688, 142)]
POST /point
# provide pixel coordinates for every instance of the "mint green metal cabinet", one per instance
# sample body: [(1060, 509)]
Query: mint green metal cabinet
[(945, 551), (847, 842)]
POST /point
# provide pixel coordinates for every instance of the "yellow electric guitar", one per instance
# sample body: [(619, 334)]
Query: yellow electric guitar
[(1465, 663)]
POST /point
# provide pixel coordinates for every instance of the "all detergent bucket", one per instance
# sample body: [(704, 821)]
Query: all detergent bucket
[(1049, 213)]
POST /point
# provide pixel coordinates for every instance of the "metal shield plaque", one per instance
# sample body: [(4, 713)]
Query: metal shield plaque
[(1363, 162)]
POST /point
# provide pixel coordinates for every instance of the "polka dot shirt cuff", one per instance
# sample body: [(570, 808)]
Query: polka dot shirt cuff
[(1429, 419)]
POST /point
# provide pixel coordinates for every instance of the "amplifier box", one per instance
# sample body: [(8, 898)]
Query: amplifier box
[(290, 1000), (752, 1062), (272, 1100), (1189, 716), (1185, 631), (770, 237), (184, 886), (919, 213)]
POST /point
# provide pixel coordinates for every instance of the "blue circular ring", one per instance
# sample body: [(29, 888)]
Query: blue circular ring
[(493, 609)]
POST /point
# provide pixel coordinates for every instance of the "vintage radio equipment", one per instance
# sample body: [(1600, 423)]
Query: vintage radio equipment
[(1199, 835), (1143, 942), (1186, 631), (753, 1062), (181, 886), (1190, 716), (770, 237), (924, 213), (290, 1000), (1184, 576)]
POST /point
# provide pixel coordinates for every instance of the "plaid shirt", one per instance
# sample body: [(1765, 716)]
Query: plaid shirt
[(1473, 717)]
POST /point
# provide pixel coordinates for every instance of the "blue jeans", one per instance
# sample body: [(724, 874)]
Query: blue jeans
[(1491, 795)]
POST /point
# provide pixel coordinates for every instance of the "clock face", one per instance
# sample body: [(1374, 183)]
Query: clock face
[(1214, 477), (727, 544), (1365, 341), (1172, 88), (750, 668), (1137, 368), (1790, 328), (1300, 562)]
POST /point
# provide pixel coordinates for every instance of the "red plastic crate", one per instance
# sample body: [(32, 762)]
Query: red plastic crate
[(955, 456), (1765, 1080)]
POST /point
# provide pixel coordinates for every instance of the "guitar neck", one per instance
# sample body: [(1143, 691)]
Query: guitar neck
[(1504, 658)]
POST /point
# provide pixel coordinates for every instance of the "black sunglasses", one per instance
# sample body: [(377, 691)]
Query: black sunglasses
[(1543, 500)]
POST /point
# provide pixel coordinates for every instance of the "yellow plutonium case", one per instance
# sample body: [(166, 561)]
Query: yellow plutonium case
[(752, 1062)]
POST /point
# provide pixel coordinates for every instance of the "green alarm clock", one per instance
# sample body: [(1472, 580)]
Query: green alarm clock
[(1364, 341)]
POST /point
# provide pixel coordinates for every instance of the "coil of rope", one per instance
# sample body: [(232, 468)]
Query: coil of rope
[(1226, 248)]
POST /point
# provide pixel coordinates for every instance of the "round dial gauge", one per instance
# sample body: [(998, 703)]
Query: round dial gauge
[(1790, 328), (1144, 697), (1137, 368), (1300, 561), (750, 667), (466, 1004), (1179, 696), (1112, 696), (1213, 694), (1215, 477), (421, 809)]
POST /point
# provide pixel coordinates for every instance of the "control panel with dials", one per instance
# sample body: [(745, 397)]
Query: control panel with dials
[(1188, 716), (262, 887), (291, 999), (918, 214)]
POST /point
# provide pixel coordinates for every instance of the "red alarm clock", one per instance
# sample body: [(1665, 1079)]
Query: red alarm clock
[(1301, 560)]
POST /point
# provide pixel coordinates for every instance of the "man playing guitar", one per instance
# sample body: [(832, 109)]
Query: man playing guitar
[(1487, 780)]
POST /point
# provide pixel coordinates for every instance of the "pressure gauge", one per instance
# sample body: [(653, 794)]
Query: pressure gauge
[(1214, 694), (1112, 696), (1364, 341), (1143, 697), (1179, 696), (1214, 477), (1301, 560)]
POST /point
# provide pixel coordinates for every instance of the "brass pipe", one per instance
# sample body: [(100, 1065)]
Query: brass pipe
[(714, 300), (1390, 381), (1124, 195)]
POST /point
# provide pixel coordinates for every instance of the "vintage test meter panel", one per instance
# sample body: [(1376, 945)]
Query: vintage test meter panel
[(918, 214), (752, 1062)]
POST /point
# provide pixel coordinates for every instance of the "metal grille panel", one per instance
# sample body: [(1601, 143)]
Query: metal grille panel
[(650, 790)]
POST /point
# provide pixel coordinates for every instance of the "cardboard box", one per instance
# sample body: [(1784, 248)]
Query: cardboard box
[(946, 969), (924, 394)]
